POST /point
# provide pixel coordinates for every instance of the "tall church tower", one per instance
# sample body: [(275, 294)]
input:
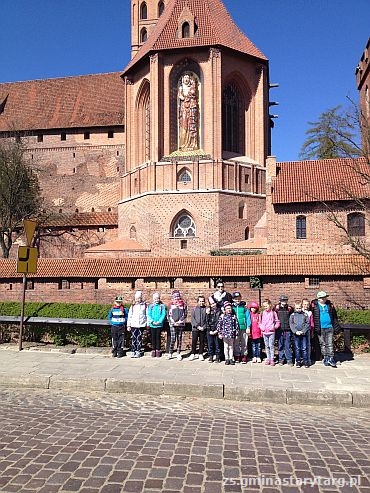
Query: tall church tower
[(197, 130)]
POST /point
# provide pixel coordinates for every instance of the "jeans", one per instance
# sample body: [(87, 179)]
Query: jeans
[(269, 346), (156, 338), (284, 340), (241, 344), (213, 345), (300, 344), (256, 348), (326, 342), (195, 335), (176, 335)]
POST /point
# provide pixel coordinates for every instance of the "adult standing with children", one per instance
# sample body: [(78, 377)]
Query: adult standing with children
[(136, 323)]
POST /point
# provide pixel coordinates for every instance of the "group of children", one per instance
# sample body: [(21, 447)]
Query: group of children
[(226, 325)]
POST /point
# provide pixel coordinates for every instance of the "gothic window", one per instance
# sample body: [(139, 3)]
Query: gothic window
[(147, 130), (231, 118), (143, 11), (356, 224), (184, 226), (301, 228), (185, 30), (246, 233), (160, 8), (143, 35), (184, 176), (133, 233)]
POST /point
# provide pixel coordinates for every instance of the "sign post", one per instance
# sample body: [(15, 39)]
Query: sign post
[(26, 263)]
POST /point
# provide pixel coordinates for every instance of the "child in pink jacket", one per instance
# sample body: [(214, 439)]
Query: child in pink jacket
[(268, 324)]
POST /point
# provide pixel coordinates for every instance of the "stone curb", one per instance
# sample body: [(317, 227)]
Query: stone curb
[(289, 396)]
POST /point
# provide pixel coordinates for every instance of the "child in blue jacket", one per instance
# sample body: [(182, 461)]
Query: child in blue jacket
[(156, 315), (117, 317)]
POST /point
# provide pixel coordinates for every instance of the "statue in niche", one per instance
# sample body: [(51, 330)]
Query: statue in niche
[(188, 105)]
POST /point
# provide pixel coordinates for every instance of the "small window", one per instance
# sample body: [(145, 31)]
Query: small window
[(30, 284), (86, 135), (117, 153), (246, 233), (143, 11), (74, 155), (160, 8), (64, 284), (246, 179), (301, 228), (110, 134), (60, 211), (172, 283), (10, 287), (74, 170), (184, 244), (185, 30), (63, 136), (101, 229), (185, 177), (40, 138), (313, 282), (143, 35), (356, 224)]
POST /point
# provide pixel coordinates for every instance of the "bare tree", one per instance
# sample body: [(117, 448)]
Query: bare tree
[(20, 196)]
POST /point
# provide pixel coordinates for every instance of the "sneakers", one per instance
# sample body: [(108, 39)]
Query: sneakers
[(114, 354), (215, 357), (236, 359), (254, 360), (307, 365), (259, 360), (326, 361), (267, 361), (137, 354), (158, 354), (201, 357), (332, 363), (281, 363), (298, 364), (153, 354), (227, 362), (169, 356), (244, 360), (290, 363), (179, 357), (133, 354), (272, 362), (120, 353), (210, 359), (218, 359), (232, 362), (191, 357)]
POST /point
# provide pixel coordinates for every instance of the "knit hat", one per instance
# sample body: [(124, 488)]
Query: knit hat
[(227, 303), (138, 295), (176, 294), (253, 304)]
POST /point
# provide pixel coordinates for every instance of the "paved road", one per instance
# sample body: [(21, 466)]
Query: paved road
[(110, 443)]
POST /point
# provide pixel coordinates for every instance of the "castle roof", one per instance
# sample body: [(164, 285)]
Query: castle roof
[(81, 219), (83, 101), (321, 181), (215, 27), (170, 267)]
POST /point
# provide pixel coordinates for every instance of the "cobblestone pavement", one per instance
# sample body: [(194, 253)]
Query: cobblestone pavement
[(99, 443)]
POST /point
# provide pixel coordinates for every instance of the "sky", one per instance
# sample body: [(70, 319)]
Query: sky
[(313, 47)]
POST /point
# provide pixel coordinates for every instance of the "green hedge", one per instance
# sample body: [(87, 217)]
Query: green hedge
[(361, 317), (56, 310)]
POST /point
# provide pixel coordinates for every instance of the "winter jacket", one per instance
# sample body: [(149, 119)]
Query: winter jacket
[(177, 314), (199, 317), (299, 322), (269, 322), (284, 312), (156, 312), (316, 316), (212, 320), (243, 315), (228, 326), (137, 315), (117, 316), (255, 325)]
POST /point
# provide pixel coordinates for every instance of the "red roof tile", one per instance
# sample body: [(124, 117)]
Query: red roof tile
[(320, 181), (82, 219), (85, 101), (233, 266), (215, 28)]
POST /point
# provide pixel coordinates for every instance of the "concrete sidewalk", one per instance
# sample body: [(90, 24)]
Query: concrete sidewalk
[(348, 385)]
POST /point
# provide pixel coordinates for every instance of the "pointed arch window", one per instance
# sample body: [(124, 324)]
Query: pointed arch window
[(160, 8), (301, 233), (242, 208), (231, 118), (143, 11), (143, 35), (185, 30), (184, 176), (133, 233), (184, 226), (356, 224)]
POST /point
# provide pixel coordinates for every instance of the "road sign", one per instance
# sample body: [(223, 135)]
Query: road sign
[(29, 229), (27, 260)]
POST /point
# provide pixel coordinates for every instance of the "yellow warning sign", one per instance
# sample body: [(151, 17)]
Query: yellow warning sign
[(29, 228), (27, 260)]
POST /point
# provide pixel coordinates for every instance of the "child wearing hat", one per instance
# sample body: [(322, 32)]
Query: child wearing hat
[(136, 323), (117, 317), (256, 334), (242, 314), (156, 315), (228, 330), (214, 313)]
